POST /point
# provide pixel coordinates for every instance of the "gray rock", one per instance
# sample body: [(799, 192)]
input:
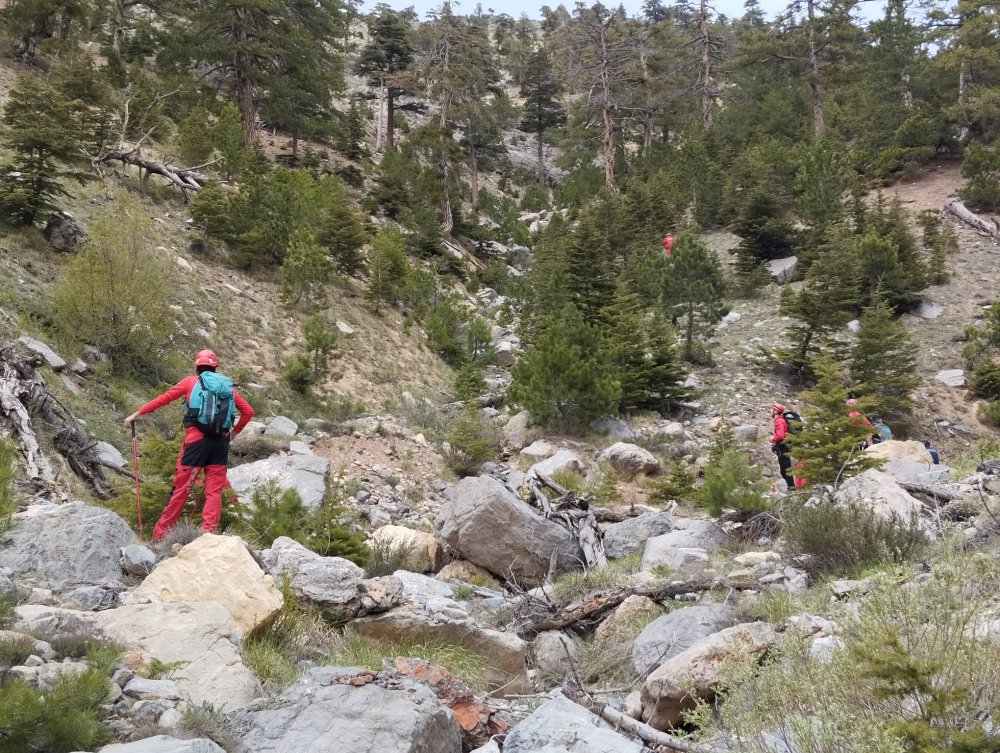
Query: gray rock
[(631, 534), (614, 428), (88, 597), (43, 351), (911, 470), (280, 426), (255, 427), (538, 450), (630, 459), (7, 586), (344, 329), (137, 560), (561, 726), (151, 690), (306, 474), (686, 534), (515, 431), (554, 651), (669, 635), (746, 432), (332, 583), (164, 744), (563, 459), (109, 455), (929, 310), (491, 527), (504, 355), (951, 377), (320, 713), (782, 270), (58, 546), (684, 563), (64, 233)]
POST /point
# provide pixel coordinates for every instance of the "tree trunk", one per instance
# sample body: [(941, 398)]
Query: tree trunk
[(447, 219), (541, 156), (689, 335), (705, 75), (817, 91), (473, 179), (390, 116), (243, 64), (607, 121), (117, 26), (295, 144), (963, 93)]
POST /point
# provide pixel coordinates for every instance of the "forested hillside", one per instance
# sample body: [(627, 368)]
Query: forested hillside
[(622, 382)]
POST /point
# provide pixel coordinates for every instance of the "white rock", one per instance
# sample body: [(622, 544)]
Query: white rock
[(630, 459), (306, 474), (108, 454), (929, 310), (184, 264), (782, 270), (281, 426), (43, 351), (422, 552), (951, 377), (345, 329), (538, 450), (854, 325), (562, 460)]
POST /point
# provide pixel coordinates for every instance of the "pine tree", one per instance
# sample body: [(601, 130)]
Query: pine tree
[(939, 242), (694, 287), (562, 379), (883, 363), (540, 89), (387, 267), (643, 348), (227, 138), (823, 306), (589, 280), (731, 481), (828, 448), (194, 137), (306, 269), (386, 57), (342, 230), (890, 261), (43, 137)]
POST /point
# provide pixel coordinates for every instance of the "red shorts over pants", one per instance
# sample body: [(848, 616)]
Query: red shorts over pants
[(210, 454)]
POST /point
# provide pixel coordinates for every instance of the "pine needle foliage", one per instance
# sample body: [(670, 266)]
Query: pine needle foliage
[(883, 362), (829, 445), (731, 481)]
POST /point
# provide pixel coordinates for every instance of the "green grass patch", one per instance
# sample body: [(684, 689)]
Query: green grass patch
[(359, 651), (617, 572)]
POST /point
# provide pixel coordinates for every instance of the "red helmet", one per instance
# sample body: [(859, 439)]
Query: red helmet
[(777, 408), (206, 358)]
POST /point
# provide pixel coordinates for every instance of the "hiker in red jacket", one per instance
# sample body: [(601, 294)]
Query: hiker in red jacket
[(198, 451), (778, 445), (668, 242)]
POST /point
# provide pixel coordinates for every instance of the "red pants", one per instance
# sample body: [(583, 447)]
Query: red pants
[(188, 466)]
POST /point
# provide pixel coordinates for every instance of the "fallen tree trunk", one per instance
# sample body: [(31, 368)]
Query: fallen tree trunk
[(957, 209), (634, 727), (573, 513), (185, 179), (24, 398), (937, 492), (589, 613)]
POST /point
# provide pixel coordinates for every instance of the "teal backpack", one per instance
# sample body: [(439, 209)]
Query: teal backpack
[(211, 406)]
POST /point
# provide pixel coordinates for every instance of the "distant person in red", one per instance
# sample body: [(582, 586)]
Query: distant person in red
[(201, 449), (778, 445), (668, 241)]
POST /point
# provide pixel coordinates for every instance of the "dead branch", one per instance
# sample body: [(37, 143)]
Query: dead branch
[(632, 726), (936, 492), (23, 399), (573, 513), (957, 209), (185, 180), (588, 613)]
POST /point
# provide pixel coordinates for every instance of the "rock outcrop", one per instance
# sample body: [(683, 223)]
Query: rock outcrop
[(561, 726), (630, 460), (675, 632), (491, 527), (215, 568), (306, 474)]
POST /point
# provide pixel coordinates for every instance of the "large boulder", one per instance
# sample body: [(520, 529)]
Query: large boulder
[(563, 460), (306, 474), (61, 546), (491, 527), (164, 744), (782, 270), (615, 428), (895, 449), (515, 431), (626, 614), (631, 534), (64, 233), (630, 459), (331, 583), (348, 709), (201, 636), (215, 568), (421, 551), (280, 426), (667, 693), (430, 614), (675, 632), (42, 351), (880, 491), (687, 533), (561, 726), (555, 652)]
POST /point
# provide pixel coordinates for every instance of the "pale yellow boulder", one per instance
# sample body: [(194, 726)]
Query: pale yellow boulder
[(895, 449), (215, 568), (467, 572), (423, 553), (635, 609)]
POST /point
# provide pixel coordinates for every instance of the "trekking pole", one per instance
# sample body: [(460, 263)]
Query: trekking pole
[(135, 472)]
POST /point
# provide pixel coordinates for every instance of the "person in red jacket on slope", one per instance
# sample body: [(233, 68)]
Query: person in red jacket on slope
[(778, 445), (198, 451)]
